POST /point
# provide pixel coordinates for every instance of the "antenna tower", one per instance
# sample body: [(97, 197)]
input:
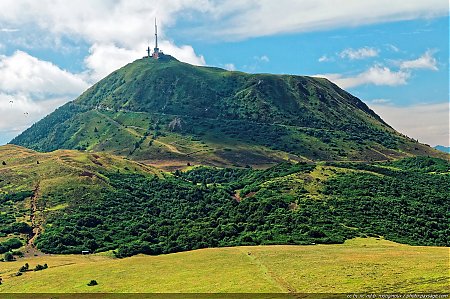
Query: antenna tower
[(156, 49)]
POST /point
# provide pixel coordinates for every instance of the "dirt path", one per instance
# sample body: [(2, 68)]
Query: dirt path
[(171, 148), (277, 280), (36, 225), (119, 125), (237, 196), (134, 133)]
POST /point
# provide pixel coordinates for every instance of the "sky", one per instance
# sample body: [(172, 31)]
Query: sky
[(392, 54)]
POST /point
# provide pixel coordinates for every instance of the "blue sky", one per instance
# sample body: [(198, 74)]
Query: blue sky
[(394, 57)]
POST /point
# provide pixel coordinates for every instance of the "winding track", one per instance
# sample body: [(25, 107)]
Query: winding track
[(30, 248)]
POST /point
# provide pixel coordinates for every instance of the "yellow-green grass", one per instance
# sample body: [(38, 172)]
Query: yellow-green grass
[(25, 168), (359, 265), (59, 172)]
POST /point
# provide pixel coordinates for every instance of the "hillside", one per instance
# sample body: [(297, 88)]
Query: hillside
[(170, 113), (34, 185), (76, 201), (358, 266)]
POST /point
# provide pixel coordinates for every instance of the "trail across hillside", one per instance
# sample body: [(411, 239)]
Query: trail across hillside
[(270, 275), (36, 225)]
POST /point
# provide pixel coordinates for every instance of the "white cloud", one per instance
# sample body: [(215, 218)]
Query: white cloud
[(106, 58), (376, 75), (426, 61), (230, 67), (251, 18), (24, 73), (380, 101), (264, 58), (183, 53), (427, 122), (23, 112), (30, 89), (324, 58), (392, 48), (361, 53), (8, 30), (126, 22)]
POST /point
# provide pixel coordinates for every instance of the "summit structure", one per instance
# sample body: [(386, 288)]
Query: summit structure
[(156, 52)]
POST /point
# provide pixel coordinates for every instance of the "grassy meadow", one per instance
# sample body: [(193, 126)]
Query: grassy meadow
[(359, 265)]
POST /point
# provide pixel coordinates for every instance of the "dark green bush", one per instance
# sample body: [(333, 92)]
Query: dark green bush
[(92, 283), (40, 267), (9, 244), (24, 268), (8, 257)]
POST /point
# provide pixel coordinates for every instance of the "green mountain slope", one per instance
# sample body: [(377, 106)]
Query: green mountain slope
[(73, 201), (34, 185), (173, 113)]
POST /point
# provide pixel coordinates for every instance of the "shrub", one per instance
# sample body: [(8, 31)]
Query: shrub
[(92, 283), (17, 227), (9, 257), (24, 268), (40, 267), (13, 243), (17, 253)]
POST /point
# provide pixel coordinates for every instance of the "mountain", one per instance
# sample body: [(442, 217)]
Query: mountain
[(319, 178), (170, 113), (445, 149)]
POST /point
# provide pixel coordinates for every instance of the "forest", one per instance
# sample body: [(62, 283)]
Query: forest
[(211, 207)]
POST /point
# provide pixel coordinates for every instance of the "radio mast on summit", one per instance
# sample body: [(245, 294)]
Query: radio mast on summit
[(156, 49), (157, 53)]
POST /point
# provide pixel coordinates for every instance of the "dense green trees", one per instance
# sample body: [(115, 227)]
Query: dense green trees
[(16, 227), (153, 216), (10, 244), (199, 208), (17, 196), (405, 206)]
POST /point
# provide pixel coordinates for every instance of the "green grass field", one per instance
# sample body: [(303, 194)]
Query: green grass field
[(359, 265)]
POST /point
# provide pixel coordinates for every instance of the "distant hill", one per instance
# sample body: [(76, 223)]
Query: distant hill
[(170, 114), (445, 149)]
